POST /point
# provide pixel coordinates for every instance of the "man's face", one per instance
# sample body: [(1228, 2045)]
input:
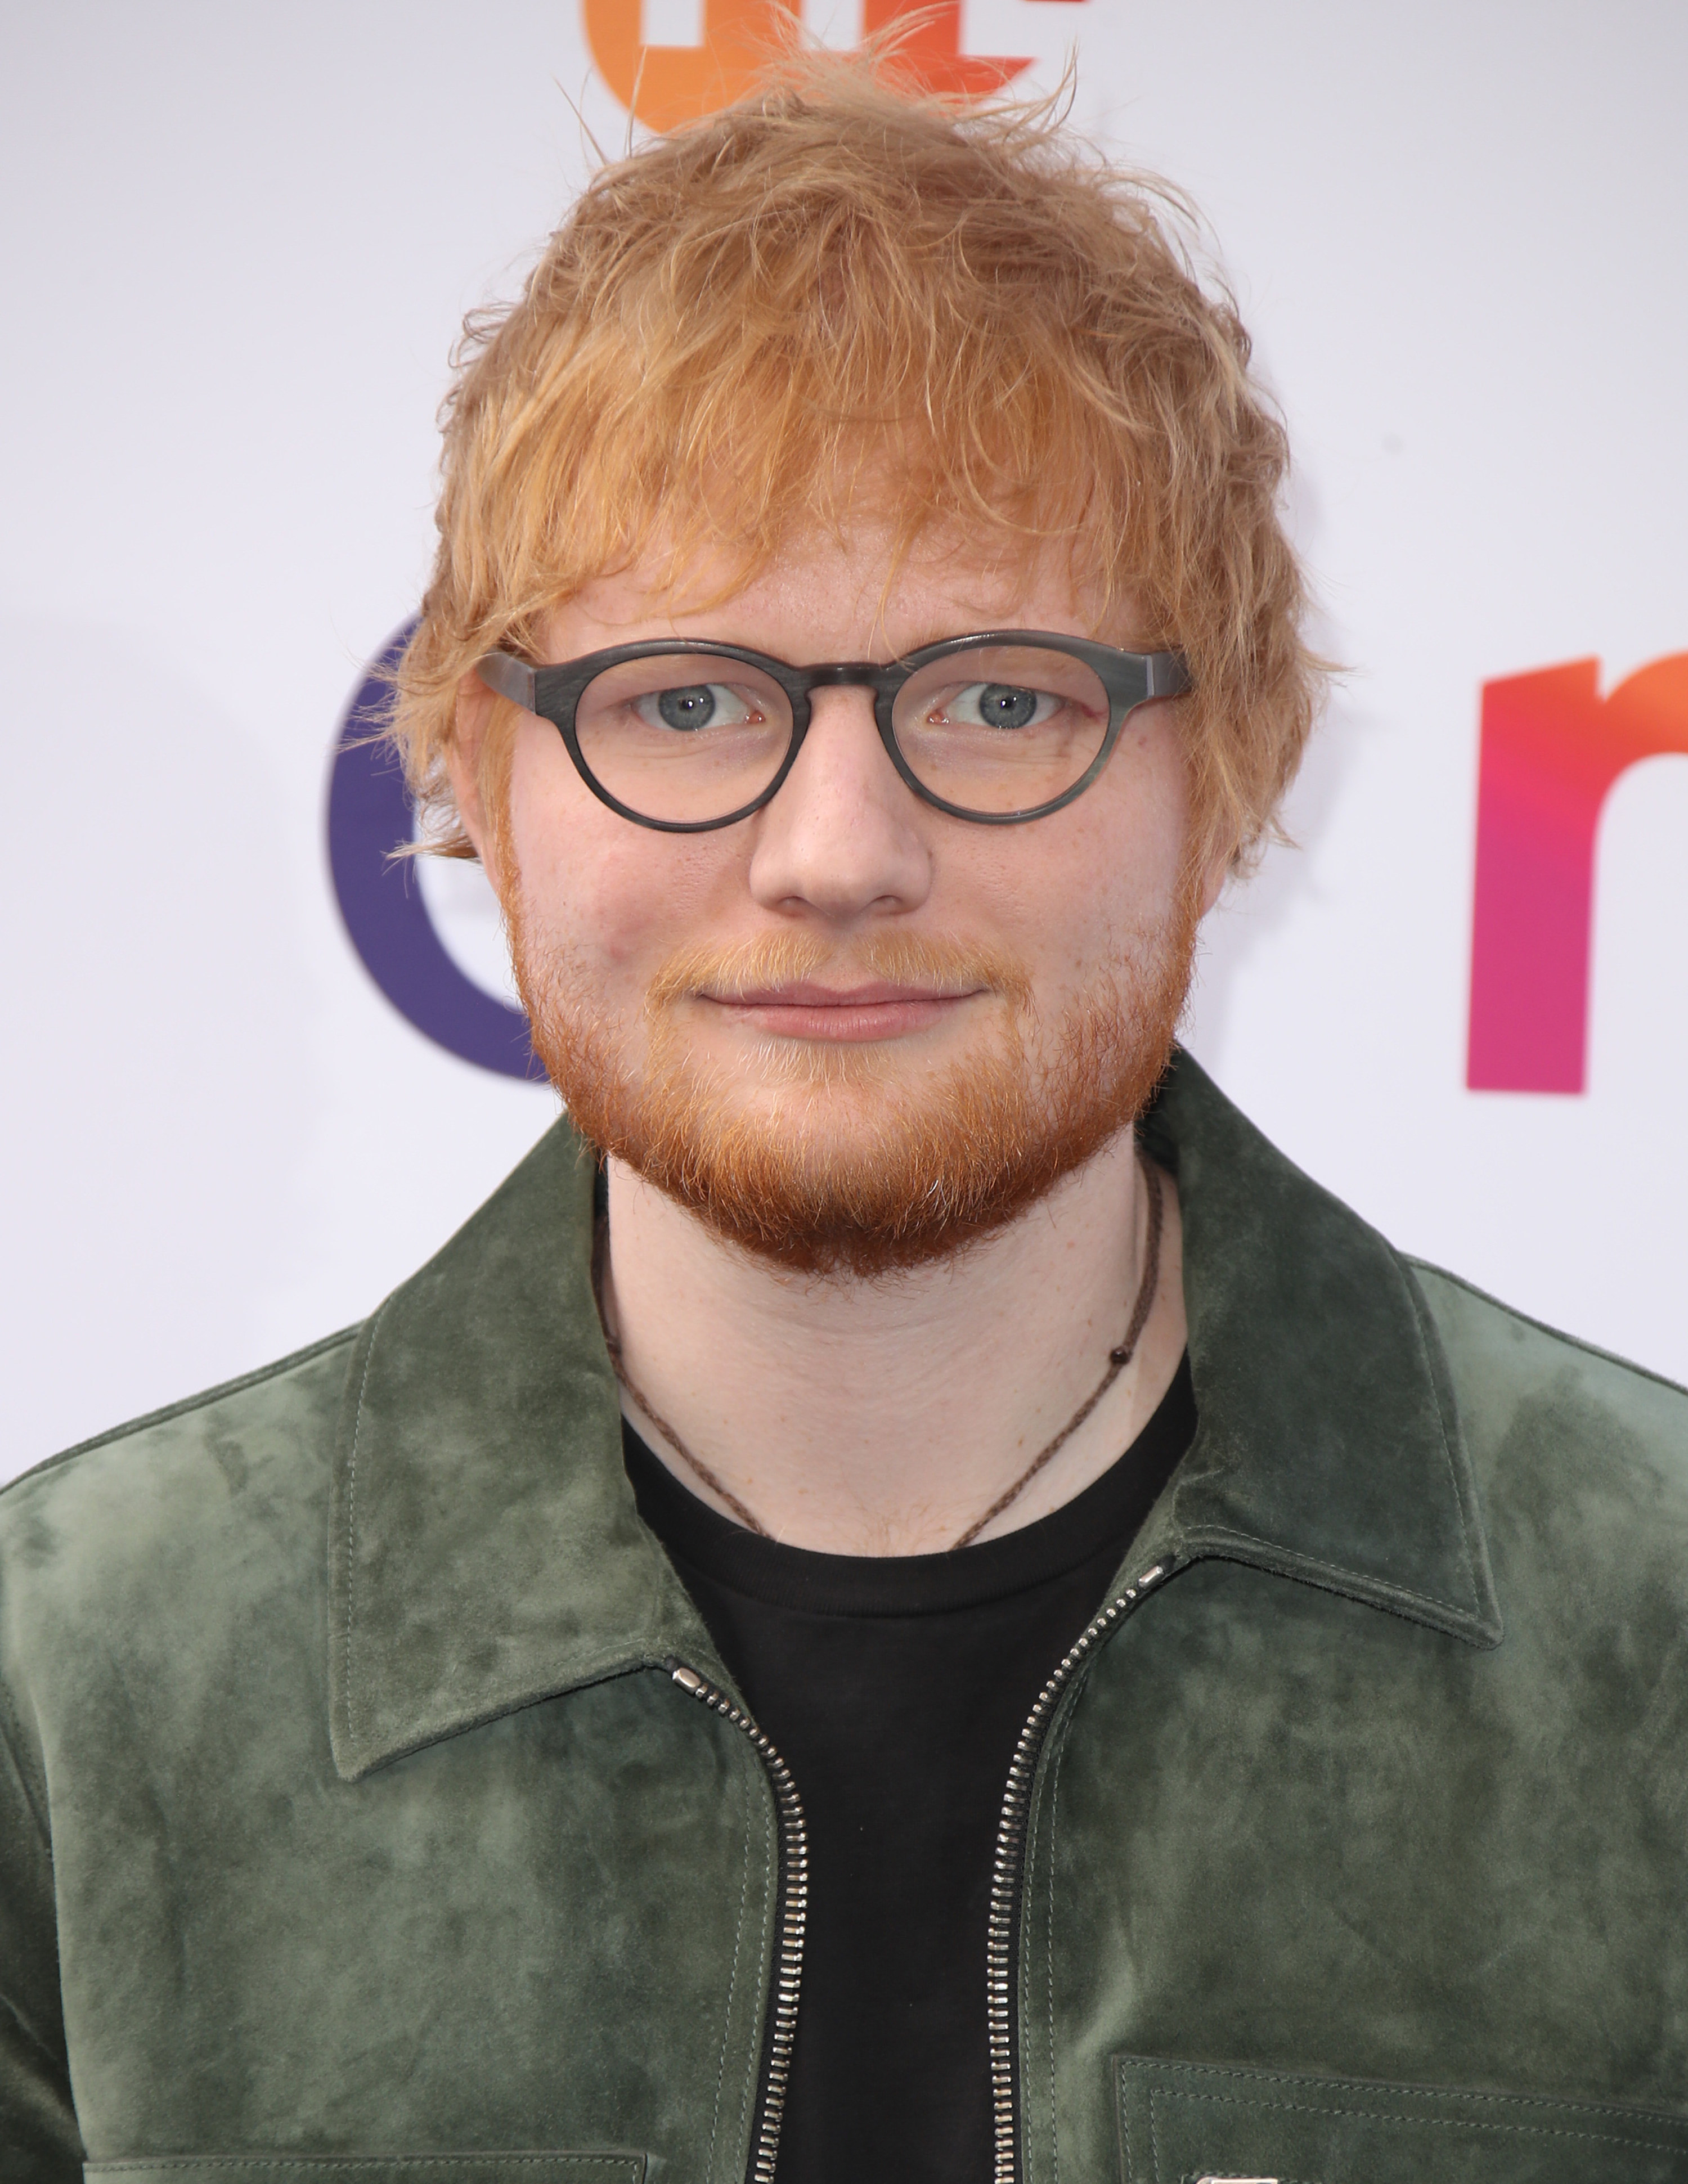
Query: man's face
[(851, 1032)]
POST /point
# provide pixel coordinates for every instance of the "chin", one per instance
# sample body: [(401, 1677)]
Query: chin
[(852, 1163), (776, 1069)]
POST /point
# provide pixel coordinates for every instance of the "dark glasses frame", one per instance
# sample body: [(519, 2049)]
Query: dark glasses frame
[(1130, 679)]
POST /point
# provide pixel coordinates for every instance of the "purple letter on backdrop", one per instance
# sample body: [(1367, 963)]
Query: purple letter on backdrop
[(369, 816)]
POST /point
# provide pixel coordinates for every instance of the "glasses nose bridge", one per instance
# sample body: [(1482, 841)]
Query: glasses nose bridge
[(845, 675), (871, 676)]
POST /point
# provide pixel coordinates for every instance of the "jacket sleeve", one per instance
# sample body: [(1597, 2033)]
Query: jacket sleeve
[(40, 2142)]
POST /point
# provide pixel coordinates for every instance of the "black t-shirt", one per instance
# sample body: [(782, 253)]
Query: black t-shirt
[(896, 1689)]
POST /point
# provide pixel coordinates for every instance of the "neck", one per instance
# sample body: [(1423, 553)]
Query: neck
[(883, 1416)]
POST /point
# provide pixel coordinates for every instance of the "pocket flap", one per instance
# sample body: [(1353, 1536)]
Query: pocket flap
[(374, 2168), (1180, 2122)]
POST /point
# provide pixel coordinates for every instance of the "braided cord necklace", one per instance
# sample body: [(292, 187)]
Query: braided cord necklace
[(1118, 1359)]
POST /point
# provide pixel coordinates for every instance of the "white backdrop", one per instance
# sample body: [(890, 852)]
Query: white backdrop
[(238, 242)]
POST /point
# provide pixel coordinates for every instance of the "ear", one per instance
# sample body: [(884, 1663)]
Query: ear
[(464, 765)]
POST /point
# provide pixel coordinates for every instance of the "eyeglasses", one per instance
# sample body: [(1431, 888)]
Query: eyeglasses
[(684, 735)]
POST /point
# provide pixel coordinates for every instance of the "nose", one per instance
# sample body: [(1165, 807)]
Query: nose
[(844, 838)]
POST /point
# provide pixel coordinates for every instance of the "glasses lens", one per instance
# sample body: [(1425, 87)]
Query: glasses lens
[(1001, 729), (684, 736)]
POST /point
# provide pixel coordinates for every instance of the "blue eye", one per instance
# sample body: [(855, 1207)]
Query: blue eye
[(996, 705), (694, 705), (1002, 706), (687, 709)]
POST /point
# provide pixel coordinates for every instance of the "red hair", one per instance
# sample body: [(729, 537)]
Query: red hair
[(738, 325)]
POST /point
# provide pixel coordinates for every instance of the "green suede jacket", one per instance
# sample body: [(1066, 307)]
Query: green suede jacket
[(374, 1806)]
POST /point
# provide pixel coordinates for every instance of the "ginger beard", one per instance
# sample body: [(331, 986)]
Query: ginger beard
[(857, 1159)]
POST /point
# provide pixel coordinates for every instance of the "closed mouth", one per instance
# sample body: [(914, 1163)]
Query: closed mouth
[(877, 1008)]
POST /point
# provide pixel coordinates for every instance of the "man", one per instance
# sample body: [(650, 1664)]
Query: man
[(936, 1610)]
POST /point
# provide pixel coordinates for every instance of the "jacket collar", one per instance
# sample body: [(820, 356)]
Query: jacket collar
[(1330, 1446), (484, 1548)]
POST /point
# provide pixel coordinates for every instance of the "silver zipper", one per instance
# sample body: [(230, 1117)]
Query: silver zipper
[(1005, 1879), (794, 1897)]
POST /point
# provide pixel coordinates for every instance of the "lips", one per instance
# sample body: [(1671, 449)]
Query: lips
[(875, 1009), (806, 993)]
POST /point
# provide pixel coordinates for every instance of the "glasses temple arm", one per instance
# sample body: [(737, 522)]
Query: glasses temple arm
[(510, 677), (1169, 674)]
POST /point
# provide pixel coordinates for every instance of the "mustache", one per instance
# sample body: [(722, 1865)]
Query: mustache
[(727, 971)]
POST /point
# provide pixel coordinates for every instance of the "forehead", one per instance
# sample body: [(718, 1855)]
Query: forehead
[(853, 591)]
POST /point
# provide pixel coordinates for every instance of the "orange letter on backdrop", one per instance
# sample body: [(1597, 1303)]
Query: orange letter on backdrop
[(663, 86), (679, 83), (932, 52)]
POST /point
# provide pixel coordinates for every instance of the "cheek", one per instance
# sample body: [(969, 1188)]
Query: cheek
[(1063, 890), (619, 895), (1139, 824)]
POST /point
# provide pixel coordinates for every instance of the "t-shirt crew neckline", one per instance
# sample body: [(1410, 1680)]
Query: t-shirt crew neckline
[(786, 1576)]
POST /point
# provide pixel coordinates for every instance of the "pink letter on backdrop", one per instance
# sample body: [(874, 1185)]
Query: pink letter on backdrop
[(1552, 747)]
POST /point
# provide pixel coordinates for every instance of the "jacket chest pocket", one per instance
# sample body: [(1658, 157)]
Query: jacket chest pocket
[(372, 2169), (1185, 2123)]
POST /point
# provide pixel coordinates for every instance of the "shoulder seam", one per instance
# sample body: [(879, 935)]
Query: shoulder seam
[(1544, 1327), (206, 1395)]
